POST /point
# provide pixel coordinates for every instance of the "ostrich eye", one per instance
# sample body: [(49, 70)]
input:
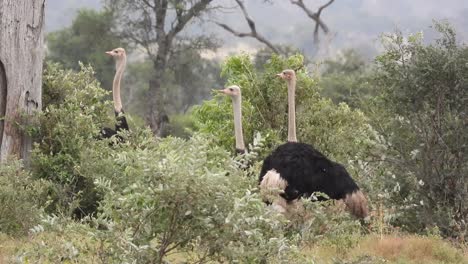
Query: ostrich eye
[(116, 51), (230, 89)]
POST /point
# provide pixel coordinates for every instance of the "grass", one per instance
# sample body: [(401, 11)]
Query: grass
[(371, 249), (411, 249)]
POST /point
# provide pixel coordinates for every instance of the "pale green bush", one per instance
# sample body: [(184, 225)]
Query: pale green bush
[(74, 111), (422, 113), (21, 199), (172, 196)]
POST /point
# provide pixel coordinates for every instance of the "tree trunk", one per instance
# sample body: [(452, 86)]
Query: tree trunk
[(21, 55), (156, 115)]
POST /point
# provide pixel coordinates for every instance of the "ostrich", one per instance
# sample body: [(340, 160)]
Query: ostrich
[(300, 170), (120, 61), (235, 93)]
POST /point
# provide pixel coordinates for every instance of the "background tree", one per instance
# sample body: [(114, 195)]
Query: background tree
[(345, 78), (86, 40), (21, 54)]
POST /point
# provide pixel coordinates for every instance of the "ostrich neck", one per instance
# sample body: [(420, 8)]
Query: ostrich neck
[(237, 106), (120, 67), (292, 111)]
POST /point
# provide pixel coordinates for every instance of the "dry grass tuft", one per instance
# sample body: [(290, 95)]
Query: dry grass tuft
[(410, 249)]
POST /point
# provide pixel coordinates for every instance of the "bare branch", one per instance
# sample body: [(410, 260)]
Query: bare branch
[(183, 19), (253, 31), (149, 4), (319, 24)]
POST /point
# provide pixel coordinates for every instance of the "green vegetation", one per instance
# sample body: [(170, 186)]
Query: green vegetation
[(74, 112), (422, 112), (346, 79), (189, 199)]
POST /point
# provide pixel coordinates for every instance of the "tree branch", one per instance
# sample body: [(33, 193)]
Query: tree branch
[(149, 4), (319, 24), (160, 11), (183, 19), (253, 31)]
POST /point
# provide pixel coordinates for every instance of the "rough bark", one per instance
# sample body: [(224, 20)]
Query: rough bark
[(21, 56), (155, 112)]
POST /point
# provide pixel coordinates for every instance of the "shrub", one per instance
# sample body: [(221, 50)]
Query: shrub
[(73, 113), (186, 195), (191, 198), (422, 114), (21, 199), (171, 196)]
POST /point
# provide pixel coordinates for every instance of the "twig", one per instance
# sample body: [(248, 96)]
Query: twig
[(253, 31), (319, 24)]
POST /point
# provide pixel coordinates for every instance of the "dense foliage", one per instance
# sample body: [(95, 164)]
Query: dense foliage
[(21, 197), (74, 111), (422, 113), (345, 78)]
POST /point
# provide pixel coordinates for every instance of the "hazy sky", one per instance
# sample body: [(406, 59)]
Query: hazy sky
[(354, 23)]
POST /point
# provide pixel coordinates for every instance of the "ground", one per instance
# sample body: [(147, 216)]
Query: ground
[(411, 249)]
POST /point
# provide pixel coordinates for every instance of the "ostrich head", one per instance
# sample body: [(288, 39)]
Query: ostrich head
[(287, 75), (233, 91), (118, 53)]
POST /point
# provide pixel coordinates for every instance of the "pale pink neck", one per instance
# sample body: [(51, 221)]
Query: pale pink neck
[(120, 68), (237, 107), (292, 110)]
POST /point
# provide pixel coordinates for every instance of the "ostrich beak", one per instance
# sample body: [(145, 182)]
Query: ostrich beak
[(223, 91), (109, 53), (279, 75)]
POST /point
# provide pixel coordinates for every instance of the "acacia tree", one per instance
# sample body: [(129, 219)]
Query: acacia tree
[(154, 25), (21, 54)]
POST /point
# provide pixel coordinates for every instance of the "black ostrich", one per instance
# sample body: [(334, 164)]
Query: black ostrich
[(235, 93), (298, 169), (120, 61)]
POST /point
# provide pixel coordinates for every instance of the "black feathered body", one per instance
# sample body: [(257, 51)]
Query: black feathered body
[(120, 125), (306, 171)]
